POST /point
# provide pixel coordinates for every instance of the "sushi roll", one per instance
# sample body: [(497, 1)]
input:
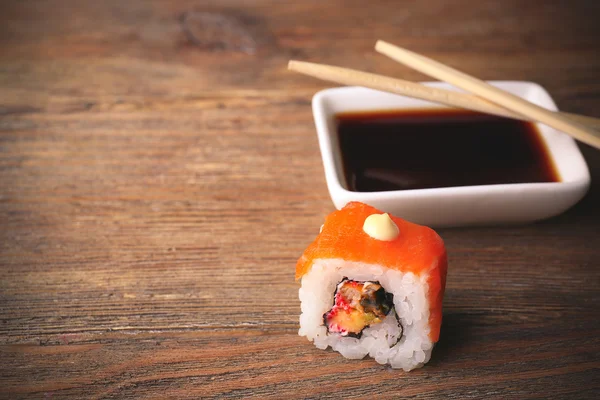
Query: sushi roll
[(372, 284)]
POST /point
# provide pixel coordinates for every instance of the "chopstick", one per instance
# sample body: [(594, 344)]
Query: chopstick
[(486, 91), (347, 76)]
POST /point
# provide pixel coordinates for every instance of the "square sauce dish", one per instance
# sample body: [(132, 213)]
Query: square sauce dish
[(443, 172)]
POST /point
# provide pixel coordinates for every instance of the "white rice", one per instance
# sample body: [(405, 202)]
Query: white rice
[(379, 341)]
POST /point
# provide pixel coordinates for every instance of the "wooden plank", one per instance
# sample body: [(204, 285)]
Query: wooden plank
[(160, 175)]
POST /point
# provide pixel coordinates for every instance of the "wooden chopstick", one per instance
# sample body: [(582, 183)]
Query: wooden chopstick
[(488, 92), (347, 76)]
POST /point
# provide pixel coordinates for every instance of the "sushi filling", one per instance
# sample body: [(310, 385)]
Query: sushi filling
[(357, 305)]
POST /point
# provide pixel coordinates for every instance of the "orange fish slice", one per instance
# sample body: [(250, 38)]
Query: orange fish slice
[(417, 249)]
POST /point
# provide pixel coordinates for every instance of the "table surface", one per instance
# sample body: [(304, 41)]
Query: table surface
[(160, 176)]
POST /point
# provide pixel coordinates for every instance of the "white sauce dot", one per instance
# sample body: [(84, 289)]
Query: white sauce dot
[(381, 227)]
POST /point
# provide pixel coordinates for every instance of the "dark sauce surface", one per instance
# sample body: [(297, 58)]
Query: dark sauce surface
[(434, 148)]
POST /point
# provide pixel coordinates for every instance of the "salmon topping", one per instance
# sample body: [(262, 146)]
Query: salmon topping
[(417, 249), (357, 305)]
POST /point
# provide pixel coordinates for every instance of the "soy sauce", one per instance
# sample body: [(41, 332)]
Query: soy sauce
[(435, 148)]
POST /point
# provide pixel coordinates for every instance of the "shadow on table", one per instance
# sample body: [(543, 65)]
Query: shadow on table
[(457, 329)]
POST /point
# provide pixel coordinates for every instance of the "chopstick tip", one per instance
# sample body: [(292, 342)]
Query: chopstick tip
[(296, 65), (392, 50), (381, 44)]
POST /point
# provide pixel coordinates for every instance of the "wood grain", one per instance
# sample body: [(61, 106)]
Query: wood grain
[(160, 175)]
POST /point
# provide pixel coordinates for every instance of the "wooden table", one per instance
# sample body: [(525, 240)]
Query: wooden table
[(160, 175)]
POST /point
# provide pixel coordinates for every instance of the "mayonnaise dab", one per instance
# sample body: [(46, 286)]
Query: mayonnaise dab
[(381, 227)]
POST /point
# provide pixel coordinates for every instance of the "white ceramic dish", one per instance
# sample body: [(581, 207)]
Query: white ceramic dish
[(454, 206)]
